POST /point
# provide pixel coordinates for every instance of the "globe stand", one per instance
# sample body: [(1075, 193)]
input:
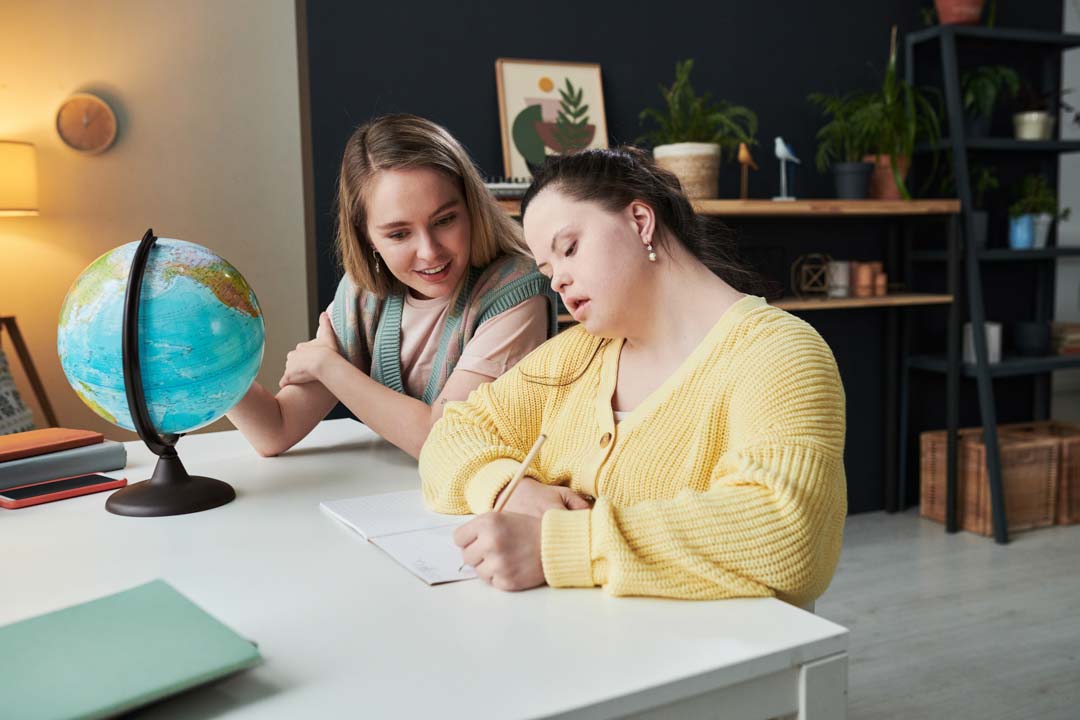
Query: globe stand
[(170, 490)]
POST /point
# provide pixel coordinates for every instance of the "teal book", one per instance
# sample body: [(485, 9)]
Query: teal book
[(114, 654)]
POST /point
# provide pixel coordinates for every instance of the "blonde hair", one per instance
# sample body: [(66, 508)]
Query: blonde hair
[(394, 142)]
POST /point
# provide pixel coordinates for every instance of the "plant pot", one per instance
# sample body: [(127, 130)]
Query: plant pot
[(1042, 223), (977, 125), (882, 184), (852, 179), (980, 226), (697, 165), (1022, 232), (992, 333), (958, 12), (1033, 126), (1031, 339)]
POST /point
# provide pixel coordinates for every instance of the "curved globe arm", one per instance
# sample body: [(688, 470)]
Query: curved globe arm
[(133, 386)]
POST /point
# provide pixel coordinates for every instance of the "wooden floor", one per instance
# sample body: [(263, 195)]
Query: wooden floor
[(956, 626)]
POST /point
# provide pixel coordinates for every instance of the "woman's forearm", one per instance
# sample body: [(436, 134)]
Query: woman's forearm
[(403, 420), (273, 424)]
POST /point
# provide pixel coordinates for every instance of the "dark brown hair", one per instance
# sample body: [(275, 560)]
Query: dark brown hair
[(617, 177)]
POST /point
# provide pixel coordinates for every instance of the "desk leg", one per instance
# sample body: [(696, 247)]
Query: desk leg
[(823, 689)]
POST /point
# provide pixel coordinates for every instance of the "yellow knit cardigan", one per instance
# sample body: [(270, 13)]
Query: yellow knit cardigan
[(727, 481)]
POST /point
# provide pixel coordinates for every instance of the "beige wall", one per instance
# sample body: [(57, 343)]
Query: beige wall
[(209, 151)]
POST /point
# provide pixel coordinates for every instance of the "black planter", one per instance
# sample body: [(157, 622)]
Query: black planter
[(977, 126), (1031, 339), (852, 179)]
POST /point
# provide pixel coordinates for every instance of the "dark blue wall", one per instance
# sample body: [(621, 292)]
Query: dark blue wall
[(437, 59)]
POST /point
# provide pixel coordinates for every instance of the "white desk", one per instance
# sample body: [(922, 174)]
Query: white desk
[(344, 629)]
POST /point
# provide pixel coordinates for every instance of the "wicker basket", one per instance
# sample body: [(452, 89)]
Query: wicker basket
[(1068, 435), (933, 472), (1029, 470), (697, 165)]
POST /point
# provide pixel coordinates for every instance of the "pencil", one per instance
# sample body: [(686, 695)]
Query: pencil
[(522, 469), (520, 473)]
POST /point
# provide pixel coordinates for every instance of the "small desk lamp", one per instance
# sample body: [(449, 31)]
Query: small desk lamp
[(18, 196)]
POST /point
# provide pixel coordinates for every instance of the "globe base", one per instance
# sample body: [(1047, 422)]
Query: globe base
[(170, 491)]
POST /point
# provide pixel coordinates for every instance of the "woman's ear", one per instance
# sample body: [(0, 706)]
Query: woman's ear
[(644, 220)]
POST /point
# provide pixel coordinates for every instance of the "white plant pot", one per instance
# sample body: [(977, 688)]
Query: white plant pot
[(1042, 229), (1033, 126), (697, 165)]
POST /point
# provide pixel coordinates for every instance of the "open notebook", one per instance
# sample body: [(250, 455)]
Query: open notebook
[(398, 522)]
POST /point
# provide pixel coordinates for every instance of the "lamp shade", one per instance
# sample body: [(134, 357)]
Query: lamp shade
[(18, 179)]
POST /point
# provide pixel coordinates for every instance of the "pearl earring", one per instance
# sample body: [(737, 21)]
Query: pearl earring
[(652, 253)]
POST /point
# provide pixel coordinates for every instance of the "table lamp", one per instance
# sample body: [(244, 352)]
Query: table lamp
[(18, 179), (18, 196)]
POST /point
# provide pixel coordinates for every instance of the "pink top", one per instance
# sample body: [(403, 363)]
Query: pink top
[(495, 347)]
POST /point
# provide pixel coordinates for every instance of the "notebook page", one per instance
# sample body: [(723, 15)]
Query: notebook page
[(375, 516), (430, 554)]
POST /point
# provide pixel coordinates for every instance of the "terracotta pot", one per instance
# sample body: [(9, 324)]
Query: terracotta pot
[(697, 165), (958, 12), (882, 184)]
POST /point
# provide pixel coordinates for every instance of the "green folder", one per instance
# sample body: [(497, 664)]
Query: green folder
[(111, 655)]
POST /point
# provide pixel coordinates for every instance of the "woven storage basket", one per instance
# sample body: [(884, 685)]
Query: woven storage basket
[(1068, 435), (1029, 473)]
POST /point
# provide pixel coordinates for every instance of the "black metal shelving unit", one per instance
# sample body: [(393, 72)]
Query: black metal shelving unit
[(951, 40)]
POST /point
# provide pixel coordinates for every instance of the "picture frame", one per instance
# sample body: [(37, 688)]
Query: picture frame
[(548, 107)]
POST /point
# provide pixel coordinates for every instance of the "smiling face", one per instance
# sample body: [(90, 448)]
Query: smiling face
[(596, 258), (419, 224)]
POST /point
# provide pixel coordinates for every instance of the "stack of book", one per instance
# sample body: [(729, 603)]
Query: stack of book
[(36, 456), (1067, 338)]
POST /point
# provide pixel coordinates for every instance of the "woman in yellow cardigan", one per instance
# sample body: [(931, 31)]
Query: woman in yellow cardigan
[(707, 425)]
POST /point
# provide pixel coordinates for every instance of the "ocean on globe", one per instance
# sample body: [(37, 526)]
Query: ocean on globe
[(200, 335)]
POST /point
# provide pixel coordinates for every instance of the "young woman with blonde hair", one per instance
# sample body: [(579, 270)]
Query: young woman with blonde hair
[(439, 295), (701, 428)]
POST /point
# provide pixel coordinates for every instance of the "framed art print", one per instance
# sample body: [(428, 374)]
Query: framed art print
[(547, 108)]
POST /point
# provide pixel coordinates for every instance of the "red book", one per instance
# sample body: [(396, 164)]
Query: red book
[(47, 440)]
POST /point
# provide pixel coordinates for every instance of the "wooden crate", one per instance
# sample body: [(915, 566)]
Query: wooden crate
[(1068, 435), (1029, 466), (932, 473)]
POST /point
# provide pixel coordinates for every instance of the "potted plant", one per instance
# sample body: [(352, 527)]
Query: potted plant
[(842, 143), (959, 12), (1032, 214), (983, 179), (1036, 113), (896, 116), (693, 131), (980, 89)]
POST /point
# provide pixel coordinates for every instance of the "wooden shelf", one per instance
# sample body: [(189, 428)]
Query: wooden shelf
[(893, 300), (511, 206), (795, 304), (808, 208)]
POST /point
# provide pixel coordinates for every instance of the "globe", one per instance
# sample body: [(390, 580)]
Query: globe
[(200, 335)]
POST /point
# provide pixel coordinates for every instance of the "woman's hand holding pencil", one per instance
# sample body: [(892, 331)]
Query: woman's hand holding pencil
[(503, 546)]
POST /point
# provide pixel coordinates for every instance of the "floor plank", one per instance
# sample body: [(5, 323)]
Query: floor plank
[(956, 626)]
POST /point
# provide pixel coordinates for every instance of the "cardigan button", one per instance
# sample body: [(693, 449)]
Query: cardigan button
[(605, 440)]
